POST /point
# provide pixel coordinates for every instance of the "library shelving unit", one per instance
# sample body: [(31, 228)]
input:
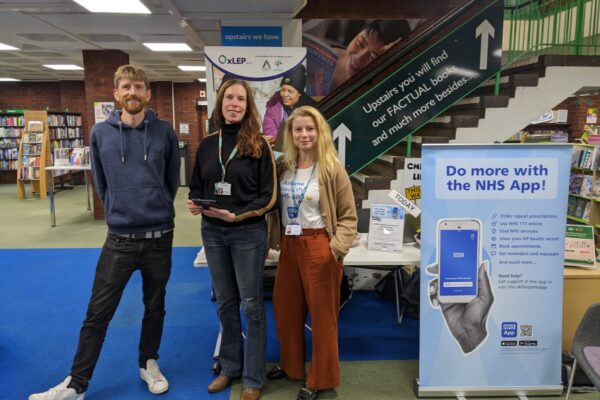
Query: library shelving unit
[(34, 154), (65, 133), (11, 129)]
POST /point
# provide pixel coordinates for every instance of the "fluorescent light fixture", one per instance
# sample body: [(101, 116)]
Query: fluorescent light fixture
[(114, 6), (63, 67), (9, 80), (7, 47), (192, 67), (168, 46), (202, 79)]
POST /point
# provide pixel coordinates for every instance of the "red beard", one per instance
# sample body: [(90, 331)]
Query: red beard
[(133, 108)]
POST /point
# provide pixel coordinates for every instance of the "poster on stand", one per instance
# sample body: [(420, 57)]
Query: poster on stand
[(492, 251)]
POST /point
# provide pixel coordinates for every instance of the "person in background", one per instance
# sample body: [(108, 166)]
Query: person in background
[(318, 217), (235, 166), (290, 96), (135, 166), (370, 43)]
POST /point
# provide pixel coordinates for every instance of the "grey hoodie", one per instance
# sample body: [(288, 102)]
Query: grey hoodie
[(136, 173)]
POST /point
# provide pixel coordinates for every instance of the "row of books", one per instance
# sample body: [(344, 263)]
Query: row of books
[(29, 173), (30, 161), (33, 137), (8, 143), (584, 185), (10, 131), (8, 165), (70, 143), (62, 120), (9, 154), (12, 120), (579, 207), (32, 148), (65, 133), (584, 157)]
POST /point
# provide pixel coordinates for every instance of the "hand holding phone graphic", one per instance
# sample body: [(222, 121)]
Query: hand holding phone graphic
[(461, 288)]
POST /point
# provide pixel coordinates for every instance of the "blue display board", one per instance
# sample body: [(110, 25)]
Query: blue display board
[(493, 230)]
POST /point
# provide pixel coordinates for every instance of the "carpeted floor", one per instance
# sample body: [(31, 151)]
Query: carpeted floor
[(45, 292)]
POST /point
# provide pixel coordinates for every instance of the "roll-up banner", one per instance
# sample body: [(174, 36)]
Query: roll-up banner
[(493, 232), (262, 67)]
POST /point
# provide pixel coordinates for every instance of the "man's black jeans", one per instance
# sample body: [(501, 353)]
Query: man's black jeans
[(120, 257)]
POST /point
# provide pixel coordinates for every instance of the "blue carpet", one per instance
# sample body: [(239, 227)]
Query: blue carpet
[(44, 294)]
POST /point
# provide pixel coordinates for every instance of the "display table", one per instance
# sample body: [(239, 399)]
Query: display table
[(49, 171), (581, 289)]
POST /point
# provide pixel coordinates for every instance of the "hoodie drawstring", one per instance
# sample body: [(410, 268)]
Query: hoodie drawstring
[(122, 142), (145, 140)]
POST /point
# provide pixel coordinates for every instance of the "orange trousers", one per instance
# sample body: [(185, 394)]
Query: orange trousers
[(308, 280)]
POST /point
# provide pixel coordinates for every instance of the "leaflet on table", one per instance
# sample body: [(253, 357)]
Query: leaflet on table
[(386, 227), (580, 250)]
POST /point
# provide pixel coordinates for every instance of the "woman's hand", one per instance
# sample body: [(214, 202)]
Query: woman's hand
[(193, 207), (219, 213)]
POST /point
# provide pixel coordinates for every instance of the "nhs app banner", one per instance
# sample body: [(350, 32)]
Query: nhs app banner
[(504, 332)]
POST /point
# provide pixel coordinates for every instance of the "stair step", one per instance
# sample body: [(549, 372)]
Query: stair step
[(428, 131), (454, 121), (508, 84), (480, 102), (431, 139), (371, 182)]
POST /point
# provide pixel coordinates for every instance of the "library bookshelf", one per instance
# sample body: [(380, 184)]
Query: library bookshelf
[(34, 155)]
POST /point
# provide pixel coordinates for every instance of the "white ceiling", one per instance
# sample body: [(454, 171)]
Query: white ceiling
[(55, 32)]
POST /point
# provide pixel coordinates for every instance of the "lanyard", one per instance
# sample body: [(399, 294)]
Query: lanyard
[(298, 200), (233, 153)]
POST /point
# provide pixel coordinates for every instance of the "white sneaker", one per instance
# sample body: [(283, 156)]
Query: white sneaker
[(157, 383), (59, 392)]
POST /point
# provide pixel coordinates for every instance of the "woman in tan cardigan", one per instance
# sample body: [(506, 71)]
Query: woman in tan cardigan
[(318, 223)]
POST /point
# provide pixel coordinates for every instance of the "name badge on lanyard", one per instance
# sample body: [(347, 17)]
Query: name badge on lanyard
[(224, 188), (293, 230)]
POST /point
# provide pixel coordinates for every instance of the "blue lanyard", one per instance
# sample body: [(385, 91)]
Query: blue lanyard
[(298, 200), (233, 153)]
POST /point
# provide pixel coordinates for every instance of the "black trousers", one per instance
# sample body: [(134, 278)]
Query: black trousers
[(120, 257)]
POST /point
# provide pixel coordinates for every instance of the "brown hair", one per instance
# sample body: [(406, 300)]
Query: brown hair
[(132, 72), (249, 137)]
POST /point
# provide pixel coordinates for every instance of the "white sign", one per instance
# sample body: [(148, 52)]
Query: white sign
[(386, 227), (184, 129), (412, 180), (405, 203), (102, 109)]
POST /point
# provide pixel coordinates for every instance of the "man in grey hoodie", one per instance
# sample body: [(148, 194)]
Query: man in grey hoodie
[(135, 165)]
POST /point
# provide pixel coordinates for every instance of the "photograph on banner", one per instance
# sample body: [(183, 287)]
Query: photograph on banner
[(277, 76), (338, 49), (492, 250)]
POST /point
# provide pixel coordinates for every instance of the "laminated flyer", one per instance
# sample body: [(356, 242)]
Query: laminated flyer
[(579, 246), (386, 227)]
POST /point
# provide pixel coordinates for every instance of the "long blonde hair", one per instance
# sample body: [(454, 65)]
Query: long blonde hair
[(326, 155), (249, 136)]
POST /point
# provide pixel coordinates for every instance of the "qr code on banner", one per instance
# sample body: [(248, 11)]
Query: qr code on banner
[(526, 330)]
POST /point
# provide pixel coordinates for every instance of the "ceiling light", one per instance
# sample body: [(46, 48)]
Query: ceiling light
[(63, 67), (114, 6), (202, 79), (7, 47), (192, 67), (9, 80), (168, 46)]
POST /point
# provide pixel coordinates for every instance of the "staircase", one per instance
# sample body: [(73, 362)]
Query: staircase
[(527, 90)]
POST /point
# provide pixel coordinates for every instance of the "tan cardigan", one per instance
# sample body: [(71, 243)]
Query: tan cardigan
[(338, 211)]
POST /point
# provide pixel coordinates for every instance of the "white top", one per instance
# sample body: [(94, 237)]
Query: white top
[(309, 215)]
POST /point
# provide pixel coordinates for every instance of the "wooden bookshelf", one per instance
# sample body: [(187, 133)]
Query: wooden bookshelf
[(11, 129), (34, 155)]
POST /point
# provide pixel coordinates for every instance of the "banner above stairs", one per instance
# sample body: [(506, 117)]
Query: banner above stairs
[(420, 90)]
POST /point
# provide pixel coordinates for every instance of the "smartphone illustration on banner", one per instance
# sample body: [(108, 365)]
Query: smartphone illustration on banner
[(459, 256)]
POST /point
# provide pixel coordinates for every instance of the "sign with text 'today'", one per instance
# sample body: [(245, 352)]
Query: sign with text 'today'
[(420, 90), (492, 244)]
